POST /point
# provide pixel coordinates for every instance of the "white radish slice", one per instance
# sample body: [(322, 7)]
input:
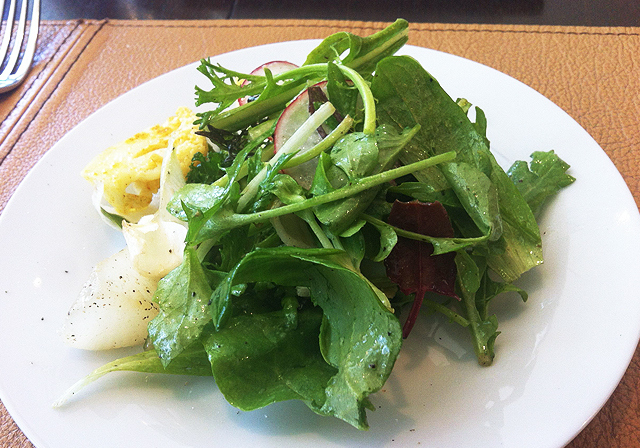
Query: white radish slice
[(113, 308), (276, 68), (291, 119), (291, 146)]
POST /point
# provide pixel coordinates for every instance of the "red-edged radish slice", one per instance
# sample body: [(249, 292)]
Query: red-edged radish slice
[(276, 67), (310, 126), (291, 119)]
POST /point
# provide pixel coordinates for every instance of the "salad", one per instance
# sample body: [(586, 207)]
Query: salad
[(332, 206)]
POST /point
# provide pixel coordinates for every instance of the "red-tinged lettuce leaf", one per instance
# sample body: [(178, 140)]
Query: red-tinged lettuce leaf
[(407, 95), (411, 264)]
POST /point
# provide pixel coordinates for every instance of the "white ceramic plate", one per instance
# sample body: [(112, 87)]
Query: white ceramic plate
[(559, 356)]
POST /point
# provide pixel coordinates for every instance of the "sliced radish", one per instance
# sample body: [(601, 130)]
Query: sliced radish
[(291, 119), (276, 67)]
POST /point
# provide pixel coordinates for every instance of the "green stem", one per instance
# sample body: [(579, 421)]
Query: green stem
[(310, 219), (323, 145), (298, 159), (244, 169), (256, 131), (452, 315), (394, 39), (238, 220), (293, 144), (335, 240), (420, 237), (241, 117), (368, 101)]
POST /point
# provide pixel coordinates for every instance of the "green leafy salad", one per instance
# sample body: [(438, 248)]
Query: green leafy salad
[(340, 201)]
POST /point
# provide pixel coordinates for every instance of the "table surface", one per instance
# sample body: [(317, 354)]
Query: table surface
[(591, 72), (541, 12)]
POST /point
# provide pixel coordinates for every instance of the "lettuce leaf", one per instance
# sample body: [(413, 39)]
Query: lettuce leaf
[(359, 338), (408, 95), (259, 359)]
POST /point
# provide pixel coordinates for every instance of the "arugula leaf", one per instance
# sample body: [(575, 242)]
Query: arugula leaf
[(343, 95), (192, 361), (340, 215), (266, 189), (183, 297), (546, 177), (426, 193), (386, 242), (478, 196), (489, 289), (286, 189), (359, 337), (483, 329), (233, 246), (363, 52), (321, 183), (356, 154)]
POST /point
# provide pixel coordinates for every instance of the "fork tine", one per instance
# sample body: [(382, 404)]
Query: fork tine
[(7, 79), (6, 39), (17, 42), (30, 49)]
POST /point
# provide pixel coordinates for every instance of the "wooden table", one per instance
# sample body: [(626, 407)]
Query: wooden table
[(592, 73)]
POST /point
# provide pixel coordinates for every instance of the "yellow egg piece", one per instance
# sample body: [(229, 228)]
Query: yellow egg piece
[(129, 172)]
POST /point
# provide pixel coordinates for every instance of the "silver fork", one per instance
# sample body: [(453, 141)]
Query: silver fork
[(13, 74)]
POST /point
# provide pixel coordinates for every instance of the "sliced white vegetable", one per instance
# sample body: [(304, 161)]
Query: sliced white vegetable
[(156, 242), (294, 115), (155, 245), (115, 305), (293, 144), (113, 308)]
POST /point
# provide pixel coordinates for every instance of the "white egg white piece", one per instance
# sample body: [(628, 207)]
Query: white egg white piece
[(113, 307)]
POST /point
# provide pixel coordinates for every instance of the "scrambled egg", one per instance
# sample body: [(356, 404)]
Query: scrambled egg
[(129, 172)]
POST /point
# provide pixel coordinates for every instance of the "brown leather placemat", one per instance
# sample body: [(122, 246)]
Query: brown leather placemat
[(592, 73)]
